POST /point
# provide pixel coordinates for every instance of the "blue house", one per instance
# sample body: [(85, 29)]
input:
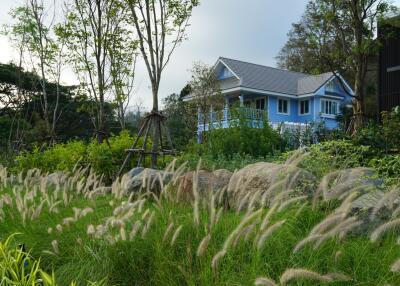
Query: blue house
[(283, 97)]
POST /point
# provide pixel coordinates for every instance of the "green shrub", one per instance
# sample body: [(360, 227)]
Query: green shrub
[(389, 167), (384, 137), (105, 158), (240, 138), (336, 154)]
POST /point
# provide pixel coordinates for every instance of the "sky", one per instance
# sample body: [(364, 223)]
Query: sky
[(248, 30)]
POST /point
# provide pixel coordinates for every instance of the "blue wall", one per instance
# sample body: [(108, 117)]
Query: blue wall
[(315, 106)]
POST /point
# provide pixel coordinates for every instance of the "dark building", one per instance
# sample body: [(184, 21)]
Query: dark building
[(389, 64)]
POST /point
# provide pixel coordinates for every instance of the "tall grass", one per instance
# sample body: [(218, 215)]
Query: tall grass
[(83, 230)]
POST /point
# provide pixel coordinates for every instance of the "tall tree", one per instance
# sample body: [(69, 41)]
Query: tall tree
[(160, 27), (344, 40), (89, 32), (33, 25)]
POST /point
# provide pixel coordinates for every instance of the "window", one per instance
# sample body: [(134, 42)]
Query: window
[(283, 106), (330, 86), (304, 107), (260, 103), (329, 107)]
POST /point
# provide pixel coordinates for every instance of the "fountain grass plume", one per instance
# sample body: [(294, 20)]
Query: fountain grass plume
[(203, 245), (264, 281), (378, 232), (267, 233), (176, 234), (298, 273)]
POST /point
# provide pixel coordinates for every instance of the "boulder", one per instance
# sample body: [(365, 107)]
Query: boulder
[(222, 178), (145, 179), (260, 183)]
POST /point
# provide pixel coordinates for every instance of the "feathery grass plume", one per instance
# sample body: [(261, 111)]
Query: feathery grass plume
[(85, 212), (339, 230), (300, 209), (203, 245), (296, 157), (167, 231), (7, 199), (135, 230), (267, 233), (216, 258), (328, 222), (243, 223), (291, 201), (68, 221), (263, 281), (338, 254), (292, 274), (145, 214), (282, 196), (148, 224), (176, 234), (323, 187), (377, 233), (347, 202), (268, 216), (267, 195), (388, 198), (305, 241), (395, 267), (122, 233), (212, 213), (243, 202), (245, 232), (90, 230), (196, 212), (253, 200), (100, 230), (54, 244)]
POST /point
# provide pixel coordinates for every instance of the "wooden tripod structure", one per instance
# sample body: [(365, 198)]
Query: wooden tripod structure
[(154, 120)]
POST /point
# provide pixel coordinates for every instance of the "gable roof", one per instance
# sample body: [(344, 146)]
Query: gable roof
[(275, 80)]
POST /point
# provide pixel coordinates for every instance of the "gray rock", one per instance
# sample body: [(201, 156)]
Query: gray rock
[(145, 179), (266, 181)]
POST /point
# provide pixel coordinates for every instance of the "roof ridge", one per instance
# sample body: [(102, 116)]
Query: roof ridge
[(305, 74), (320, 74)]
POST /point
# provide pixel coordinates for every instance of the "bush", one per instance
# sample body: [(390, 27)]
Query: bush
[(389, 167), (336, 154), (384, 137), (105, 158), (240, 138)]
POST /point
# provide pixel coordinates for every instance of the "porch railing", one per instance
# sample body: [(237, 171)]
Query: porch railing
[(233, 114)]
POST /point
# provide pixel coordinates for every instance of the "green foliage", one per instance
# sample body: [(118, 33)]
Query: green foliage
[(233, 162), (242, 138), (384, 137), (337, 154), (17, 267), (388, 166), (105, 158), (181, 119)]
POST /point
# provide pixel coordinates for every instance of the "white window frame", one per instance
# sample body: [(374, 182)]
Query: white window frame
[(265, 102), (288, 106), (309, 107), (322, 112)]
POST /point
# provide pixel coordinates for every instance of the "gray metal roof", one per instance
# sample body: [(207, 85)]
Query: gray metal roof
[(275, 80)]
